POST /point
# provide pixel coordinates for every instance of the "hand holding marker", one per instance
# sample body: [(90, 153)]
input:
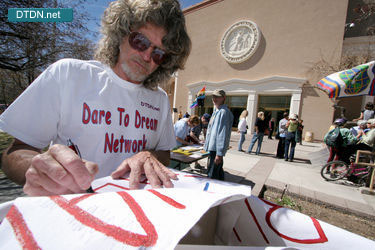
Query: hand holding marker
[(74, 147)]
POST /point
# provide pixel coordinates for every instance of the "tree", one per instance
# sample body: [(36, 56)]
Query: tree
[(324, 68), (27, 48), (360, 19)]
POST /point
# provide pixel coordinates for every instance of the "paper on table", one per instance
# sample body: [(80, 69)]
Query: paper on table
[(195, 156), (192, 147)]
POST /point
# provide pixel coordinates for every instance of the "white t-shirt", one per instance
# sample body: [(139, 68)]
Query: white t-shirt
[(108, 118), (242, 125)]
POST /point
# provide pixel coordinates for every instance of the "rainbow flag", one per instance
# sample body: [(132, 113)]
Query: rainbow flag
[(201, 95), (194, 104), (356, 81), (202, 92)]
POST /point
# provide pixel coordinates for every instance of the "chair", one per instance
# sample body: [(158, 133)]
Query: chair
[(371, 164)]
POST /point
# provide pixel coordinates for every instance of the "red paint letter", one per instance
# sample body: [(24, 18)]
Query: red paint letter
[(108, 143), (86, 108), (120, 110), (137, 119)]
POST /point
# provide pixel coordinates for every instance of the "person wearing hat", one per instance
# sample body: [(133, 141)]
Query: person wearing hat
[(290, 138), (218, 135)]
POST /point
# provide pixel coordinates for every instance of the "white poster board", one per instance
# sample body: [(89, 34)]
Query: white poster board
[(118, 218)]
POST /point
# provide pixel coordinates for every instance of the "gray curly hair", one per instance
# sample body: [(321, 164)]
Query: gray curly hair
[(122, 16)]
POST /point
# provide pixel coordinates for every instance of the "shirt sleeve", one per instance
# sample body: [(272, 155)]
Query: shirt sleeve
[(34, 116), (167, 137)]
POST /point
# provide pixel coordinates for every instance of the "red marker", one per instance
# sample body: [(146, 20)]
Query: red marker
[(74, 147)]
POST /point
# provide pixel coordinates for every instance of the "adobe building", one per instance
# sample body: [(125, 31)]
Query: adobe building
[(261, 53)]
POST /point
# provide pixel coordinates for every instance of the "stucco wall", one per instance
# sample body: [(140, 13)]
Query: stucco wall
[(295, 35)]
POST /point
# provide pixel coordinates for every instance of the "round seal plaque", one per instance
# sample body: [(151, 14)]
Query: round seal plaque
[(240, 42)]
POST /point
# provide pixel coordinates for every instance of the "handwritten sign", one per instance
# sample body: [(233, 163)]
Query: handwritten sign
[(117, 218)]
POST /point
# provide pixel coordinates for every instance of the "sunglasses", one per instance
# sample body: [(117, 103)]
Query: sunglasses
[(140, 43)]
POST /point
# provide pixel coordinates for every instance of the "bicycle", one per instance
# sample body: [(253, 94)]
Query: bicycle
[(337, 170)]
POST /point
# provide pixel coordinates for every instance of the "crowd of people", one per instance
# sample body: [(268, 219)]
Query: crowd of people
[(343, 142), (288, 131)]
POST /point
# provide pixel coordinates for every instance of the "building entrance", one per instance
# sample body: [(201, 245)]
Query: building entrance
[(274, 107)]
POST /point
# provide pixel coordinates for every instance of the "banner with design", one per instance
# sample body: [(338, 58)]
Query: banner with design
[(118, 218), (356, 81)]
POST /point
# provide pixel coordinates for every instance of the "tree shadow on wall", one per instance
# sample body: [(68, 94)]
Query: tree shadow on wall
[(310, 90)]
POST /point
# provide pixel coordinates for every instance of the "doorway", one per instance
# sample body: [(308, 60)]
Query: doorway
[(274, 107)]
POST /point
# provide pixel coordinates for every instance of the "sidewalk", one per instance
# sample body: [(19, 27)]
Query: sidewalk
[(301, 177)]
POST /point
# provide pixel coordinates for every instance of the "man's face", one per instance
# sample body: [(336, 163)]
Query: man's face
[(133, 65), (218, 100)]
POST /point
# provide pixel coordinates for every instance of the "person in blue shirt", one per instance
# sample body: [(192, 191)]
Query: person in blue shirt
[(181, 129), (218, 135)]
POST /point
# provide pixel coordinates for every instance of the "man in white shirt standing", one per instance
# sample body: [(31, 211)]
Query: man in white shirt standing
[(282, 133), (112, 108)]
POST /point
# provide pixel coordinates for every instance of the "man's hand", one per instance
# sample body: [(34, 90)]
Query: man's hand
[(145, 163), (59, 171), (218, 159)]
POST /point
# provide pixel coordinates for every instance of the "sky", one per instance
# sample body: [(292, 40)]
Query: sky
[(96, 9)]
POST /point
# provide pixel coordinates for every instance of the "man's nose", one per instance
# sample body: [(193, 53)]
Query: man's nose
[(146, 55)]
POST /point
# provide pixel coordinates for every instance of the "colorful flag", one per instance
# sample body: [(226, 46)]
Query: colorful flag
[(356, 81), (194, 104), (202, 92), (201, 95)]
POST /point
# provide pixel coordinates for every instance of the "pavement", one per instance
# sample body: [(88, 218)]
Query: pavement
[(301, 177)]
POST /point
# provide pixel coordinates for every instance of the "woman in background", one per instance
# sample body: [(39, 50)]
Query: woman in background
[(242, 129)]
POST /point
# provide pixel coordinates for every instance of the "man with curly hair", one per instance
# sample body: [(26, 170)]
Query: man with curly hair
[(111, 107)]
